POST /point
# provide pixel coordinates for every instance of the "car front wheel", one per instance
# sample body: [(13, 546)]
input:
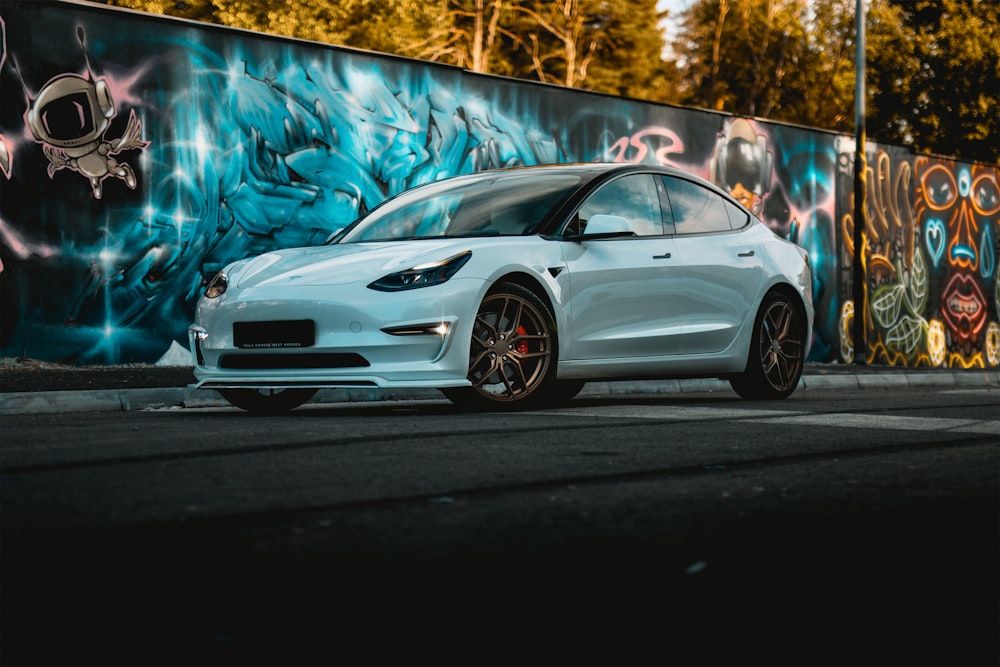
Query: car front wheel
[(512, 360), (776, 352), (267, 401)]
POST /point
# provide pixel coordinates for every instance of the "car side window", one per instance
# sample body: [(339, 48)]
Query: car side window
[(697, 210), (632, 197), (738, 218)]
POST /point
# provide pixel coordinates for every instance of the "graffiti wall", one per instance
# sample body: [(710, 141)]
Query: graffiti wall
[(140, 154), (931, 261)]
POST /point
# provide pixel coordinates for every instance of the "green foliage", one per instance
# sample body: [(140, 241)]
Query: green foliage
[(465, 33), (630, 61), (934, 76), (777, 59), (932, 67), (820, 77), (378, 25), (198, 10)]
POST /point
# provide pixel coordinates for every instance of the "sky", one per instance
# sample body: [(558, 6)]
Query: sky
[(674, 7)]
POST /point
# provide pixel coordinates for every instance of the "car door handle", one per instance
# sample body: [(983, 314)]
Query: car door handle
[(747, 253), (665, 255)]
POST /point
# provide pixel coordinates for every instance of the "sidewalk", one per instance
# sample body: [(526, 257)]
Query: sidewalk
[(35, 387)]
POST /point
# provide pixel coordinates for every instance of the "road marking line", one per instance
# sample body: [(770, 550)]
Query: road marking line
[(794, 418), (890, 422), (668, 412)]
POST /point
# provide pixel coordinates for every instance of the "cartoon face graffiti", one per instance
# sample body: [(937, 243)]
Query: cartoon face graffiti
[(957, 209)]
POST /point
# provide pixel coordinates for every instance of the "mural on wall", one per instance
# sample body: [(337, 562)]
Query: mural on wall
[(933, 291), (143, 154), (70, 116), (956, 213)]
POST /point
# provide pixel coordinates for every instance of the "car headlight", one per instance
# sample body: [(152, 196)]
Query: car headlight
[(424, 275), (217, 286)]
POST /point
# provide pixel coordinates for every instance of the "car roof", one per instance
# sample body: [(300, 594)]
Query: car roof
[(593, 172), (589, 167)]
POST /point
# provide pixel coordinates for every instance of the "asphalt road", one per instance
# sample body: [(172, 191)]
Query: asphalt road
[(835, 527)]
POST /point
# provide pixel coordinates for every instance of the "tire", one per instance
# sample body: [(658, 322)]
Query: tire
[(562, 391), (512, 358), (267, 401), (774, 364)]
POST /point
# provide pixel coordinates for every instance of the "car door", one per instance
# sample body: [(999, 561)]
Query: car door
[(623, 290), (722, 265)]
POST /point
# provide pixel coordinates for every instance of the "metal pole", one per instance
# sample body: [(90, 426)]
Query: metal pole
[(860, 281)]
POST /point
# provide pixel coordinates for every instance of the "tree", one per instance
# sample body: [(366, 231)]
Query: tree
[(611, 46), (933, 76), (378, 25), (931, 73), (631, 62), (608, 46), (468, 35), (197, 10), (819, 80), (559, 38), (738, 53)]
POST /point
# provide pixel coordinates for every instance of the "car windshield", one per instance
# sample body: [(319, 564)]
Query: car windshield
[(501, 204)]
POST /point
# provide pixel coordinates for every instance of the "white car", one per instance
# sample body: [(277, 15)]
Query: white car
[(512, 288)]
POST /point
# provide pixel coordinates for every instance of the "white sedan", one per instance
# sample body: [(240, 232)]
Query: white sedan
[(512, 288)]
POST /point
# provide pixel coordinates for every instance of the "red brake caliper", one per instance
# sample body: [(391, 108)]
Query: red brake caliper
[(522, 346)]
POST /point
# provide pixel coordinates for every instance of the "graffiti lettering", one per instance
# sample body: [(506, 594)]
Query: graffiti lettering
[(661, 141)]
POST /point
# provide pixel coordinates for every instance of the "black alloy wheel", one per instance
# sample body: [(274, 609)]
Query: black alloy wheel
[(774, 365), (512, 359)]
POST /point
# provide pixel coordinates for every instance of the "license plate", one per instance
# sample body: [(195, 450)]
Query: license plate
[(274, 334)]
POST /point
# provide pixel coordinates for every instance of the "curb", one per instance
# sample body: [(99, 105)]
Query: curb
[(125, 400)]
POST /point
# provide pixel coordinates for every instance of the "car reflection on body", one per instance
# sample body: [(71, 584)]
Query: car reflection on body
[(512, 288)]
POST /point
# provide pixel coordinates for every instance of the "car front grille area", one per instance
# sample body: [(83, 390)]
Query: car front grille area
[(276, 361)]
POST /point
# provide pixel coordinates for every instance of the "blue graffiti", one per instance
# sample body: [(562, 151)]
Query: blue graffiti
[(935, 238), (987, 253), (252, 157)]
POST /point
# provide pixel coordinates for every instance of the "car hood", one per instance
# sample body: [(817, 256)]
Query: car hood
[(342, 264)]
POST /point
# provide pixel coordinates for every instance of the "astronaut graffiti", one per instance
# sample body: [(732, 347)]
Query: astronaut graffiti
[(70, 117)]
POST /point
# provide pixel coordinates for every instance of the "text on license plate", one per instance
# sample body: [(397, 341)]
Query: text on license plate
[(274, 333)]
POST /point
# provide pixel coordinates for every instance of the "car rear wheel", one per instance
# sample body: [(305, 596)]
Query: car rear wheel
[(512, 359), (267, 401), (776, 351)]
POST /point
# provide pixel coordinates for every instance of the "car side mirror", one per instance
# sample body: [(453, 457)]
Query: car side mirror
[(603, 226), (606, 224)]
